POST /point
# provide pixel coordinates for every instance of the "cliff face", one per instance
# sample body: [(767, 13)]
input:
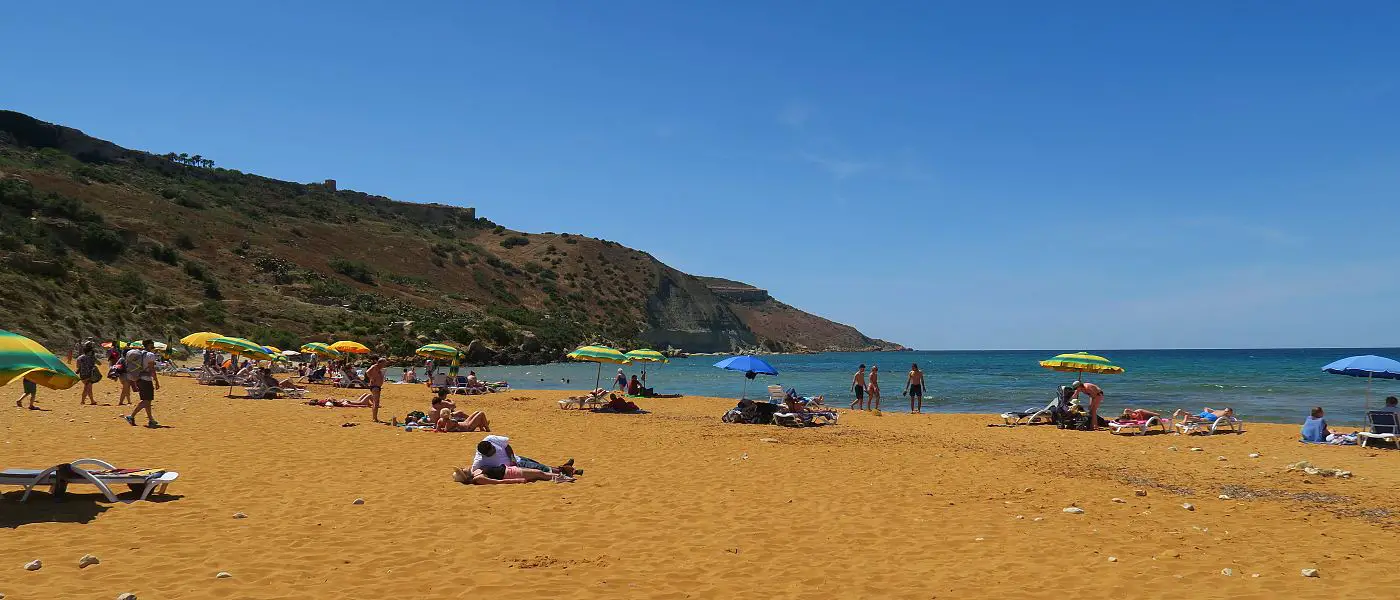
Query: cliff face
[(781, 328), (99, 240)]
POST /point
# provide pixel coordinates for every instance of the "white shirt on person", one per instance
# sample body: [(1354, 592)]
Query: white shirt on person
[(499, 459)]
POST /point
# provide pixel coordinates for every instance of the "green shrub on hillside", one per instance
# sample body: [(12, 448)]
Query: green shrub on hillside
[(353, 269), (514, 241)]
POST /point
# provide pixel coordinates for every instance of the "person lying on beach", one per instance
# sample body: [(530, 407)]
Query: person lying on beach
[(1207, 415), (446, 424), (1137, 414), (495, 462), (794, 403)]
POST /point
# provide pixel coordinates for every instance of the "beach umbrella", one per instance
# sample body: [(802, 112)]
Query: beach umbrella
[(747, 364), (321, 350), (1369, 366), (600, 355), (349, 347), (199, 340), (646, 355), (23, 358), (272, 349), (240, 347), (1081, 363), (438, 351)]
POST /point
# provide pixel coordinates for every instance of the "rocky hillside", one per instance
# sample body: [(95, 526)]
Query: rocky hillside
[(99, 240)]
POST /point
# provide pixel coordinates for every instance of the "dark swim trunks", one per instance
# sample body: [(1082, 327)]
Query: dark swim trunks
[(916, 390), (860, 392)]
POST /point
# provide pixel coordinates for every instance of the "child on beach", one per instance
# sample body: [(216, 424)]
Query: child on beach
[(31, 390)]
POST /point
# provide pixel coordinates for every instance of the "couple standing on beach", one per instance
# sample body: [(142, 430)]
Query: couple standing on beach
[(913, 387)]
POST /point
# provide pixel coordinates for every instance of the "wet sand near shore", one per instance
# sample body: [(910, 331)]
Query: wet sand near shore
[(676, 504)]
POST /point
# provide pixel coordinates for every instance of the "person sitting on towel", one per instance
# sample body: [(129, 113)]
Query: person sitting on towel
[(634, 388), (617, 403), (446, 424)]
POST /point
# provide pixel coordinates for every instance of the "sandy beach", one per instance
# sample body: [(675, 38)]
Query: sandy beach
[(676, 504)]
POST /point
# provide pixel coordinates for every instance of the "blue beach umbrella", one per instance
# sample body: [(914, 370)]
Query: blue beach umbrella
[(1369, 366), (747, 364)]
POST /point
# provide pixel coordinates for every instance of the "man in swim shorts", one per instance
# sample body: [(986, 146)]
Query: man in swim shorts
[(915, 388), (858, 386)]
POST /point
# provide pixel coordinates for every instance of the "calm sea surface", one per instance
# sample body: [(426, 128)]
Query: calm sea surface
[(1262, 385)]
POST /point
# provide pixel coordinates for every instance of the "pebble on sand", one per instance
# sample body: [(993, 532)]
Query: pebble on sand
[(358, 501), (87, 560), (1113, 559), (223, 575), (1019, 517), (1220, 458), (1169, 554), (1189, 506), (1119, 501), (1309, 572), (34, 565), (768, 440), (1224, 496), (1197, 449), (1254, 455), (239, 515), (1171, 448), (1227, 572), (1074, 510), (1139, 492), (126, 596)]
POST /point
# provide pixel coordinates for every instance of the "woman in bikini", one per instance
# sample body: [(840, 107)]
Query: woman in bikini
[(476, 422), (873, 390)]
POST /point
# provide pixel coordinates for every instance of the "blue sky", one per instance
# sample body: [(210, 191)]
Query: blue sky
[(1089, 175)]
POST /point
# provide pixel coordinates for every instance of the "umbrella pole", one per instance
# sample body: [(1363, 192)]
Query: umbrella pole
[(598, 381)]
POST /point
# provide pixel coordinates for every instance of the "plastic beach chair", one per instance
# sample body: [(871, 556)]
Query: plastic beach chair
[(91, 471)]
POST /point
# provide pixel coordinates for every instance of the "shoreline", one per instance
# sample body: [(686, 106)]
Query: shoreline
[(677, 503)]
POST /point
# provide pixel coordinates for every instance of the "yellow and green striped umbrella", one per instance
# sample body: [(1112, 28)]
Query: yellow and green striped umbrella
[(438, 351), (241, 347), (199, 340), (350, 347), (600, 355), (320, 349), (645, 355), (21, 357), (1082, 362)]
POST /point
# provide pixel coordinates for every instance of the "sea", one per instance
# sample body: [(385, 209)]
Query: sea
[(1278, 385)]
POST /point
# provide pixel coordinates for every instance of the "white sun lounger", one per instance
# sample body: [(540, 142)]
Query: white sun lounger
[(1137, 426), (1029, 416), (80, 473), (1223, 423)]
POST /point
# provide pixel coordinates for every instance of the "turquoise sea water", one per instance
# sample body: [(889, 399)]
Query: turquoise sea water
[(1262, 385)]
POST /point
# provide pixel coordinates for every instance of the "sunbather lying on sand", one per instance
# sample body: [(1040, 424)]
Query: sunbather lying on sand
[(495, 462), (446, 424)]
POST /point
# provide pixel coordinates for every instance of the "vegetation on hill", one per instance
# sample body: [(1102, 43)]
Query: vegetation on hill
[(97, 240)]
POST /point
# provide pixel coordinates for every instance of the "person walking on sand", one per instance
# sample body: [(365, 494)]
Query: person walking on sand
[(31, 391), (872, 391), (1095, 399), (374, 378), (87, 372), (914, 387), (858, 386), (141, 372)]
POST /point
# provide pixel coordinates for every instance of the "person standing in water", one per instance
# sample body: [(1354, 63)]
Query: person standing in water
[(858, 386), (873, 390), (915, 388)]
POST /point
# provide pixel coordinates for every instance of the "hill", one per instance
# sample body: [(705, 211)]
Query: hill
[(100, 240)]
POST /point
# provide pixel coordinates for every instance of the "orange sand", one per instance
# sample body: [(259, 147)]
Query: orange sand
[(676, 504)]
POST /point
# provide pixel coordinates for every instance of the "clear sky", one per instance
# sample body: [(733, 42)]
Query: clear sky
[(959, 175)]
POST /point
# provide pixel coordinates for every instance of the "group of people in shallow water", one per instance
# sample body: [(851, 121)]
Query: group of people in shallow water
[(867, 393)]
